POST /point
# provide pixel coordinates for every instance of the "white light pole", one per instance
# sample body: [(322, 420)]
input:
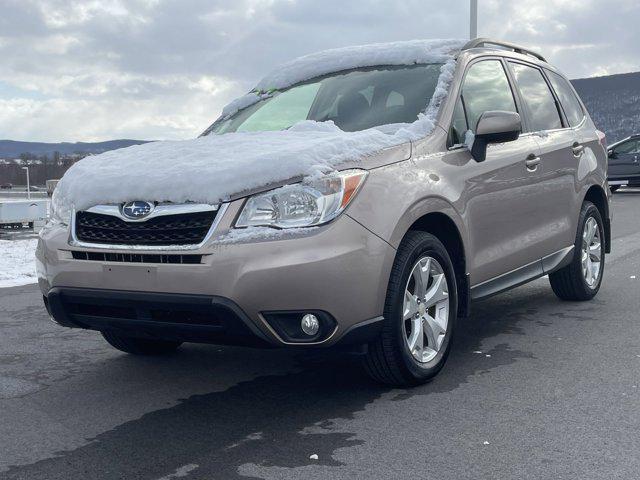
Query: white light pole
[(473, 19), (28, 185)]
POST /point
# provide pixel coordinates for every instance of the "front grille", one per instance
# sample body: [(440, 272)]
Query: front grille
[(179, 229), (137, 257)]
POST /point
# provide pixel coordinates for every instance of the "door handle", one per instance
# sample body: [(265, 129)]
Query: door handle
[(577, 149), (532, 162)]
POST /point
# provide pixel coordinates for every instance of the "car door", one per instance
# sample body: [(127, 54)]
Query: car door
[(552, 223), (624, 159), (499, 193)]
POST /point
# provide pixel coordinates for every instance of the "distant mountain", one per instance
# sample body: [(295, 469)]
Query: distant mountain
[(613, 102), (12, 149)]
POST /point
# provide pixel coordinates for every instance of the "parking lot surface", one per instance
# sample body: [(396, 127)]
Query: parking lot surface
[(535, 388)]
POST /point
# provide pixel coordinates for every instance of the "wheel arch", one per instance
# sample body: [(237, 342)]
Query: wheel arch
[(445, 229), (596, 195)]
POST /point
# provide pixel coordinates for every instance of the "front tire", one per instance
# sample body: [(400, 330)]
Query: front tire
[(139, 346), (420, 313), (581, 279)]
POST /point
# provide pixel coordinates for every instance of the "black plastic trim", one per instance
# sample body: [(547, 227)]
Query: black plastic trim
[(464, 296), (363, 332), (233, 327), (558, 260), (523, 275), (507, 281), (607, 235)]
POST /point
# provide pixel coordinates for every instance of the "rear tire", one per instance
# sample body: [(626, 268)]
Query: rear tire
[(390, 359), (570, 283), (139, 346)]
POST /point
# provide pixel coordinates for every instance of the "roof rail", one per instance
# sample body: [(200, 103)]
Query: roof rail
[(482, 42)]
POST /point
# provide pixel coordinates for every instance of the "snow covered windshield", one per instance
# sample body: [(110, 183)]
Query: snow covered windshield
[(354, 100)]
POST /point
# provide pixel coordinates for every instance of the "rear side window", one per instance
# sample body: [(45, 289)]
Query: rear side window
[(632, 146), (568, 100), (486, 88), (537, 97)]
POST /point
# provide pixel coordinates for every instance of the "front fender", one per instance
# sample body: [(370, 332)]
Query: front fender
[(396, 196)]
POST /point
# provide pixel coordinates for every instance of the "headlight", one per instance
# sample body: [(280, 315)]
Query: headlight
[(304, 204)]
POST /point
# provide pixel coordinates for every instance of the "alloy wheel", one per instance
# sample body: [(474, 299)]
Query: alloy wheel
[(591, 252), (425, 312)]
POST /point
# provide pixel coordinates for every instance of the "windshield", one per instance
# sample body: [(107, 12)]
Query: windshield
[(354, 100)]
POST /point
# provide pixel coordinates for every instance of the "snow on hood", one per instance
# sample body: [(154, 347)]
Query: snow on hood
[(213, 168)]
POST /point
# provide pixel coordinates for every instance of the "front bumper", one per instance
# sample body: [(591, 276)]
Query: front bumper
[(187, 318), (341, 269)]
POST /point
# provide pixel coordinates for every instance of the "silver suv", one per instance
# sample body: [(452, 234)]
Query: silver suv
[(506, 183)]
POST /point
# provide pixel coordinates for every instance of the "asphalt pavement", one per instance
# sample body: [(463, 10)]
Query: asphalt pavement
[(535, 388)]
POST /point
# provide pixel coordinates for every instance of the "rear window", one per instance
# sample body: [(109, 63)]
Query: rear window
[(568, 100), (538, 97)]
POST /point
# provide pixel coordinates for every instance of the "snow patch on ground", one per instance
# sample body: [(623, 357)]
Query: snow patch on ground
[(17, 260)]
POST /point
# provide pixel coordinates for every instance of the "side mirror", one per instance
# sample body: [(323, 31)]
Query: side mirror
[(494, 127), (612, 154)]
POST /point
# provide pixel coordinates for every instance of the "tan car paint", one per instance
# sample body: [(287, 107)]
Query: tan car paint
[(507, 216)]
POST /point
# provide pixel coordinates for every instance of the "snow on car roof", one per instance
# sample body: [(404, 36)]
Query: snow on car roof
[(347, 58)]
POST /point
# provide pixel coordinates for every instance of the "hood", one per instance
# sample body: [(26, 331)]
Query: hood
[(218, 168)]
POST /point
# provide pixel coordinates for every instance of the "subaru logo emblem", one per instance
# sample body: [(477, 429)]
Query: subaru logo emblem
[(137, 210)]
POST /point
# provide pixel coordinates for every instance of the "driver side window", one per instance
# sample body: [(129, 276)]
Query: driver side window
[(485, 87)]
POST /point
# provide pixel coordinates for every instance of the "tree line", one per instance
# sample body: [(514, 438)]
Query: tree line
[(41, 168)]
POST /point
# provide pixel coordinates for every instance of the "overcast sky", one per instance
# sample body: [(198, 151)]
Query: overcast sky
[(155, 69)]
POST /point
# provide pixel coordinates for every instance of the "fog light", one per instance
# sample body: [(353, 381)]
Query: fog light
[(301, 326), (310, 324)]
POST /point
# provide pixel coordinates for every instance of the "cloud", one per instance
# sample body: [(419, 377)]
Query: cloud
[(91, 70)]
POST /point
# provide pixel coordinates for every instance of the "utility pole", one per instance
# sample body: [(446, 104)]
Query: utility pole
[(28, 185), (473, 19)]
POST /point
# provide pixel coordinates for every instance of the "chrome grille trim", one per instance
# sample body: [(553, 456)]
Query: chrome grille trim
[(162, 209)]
